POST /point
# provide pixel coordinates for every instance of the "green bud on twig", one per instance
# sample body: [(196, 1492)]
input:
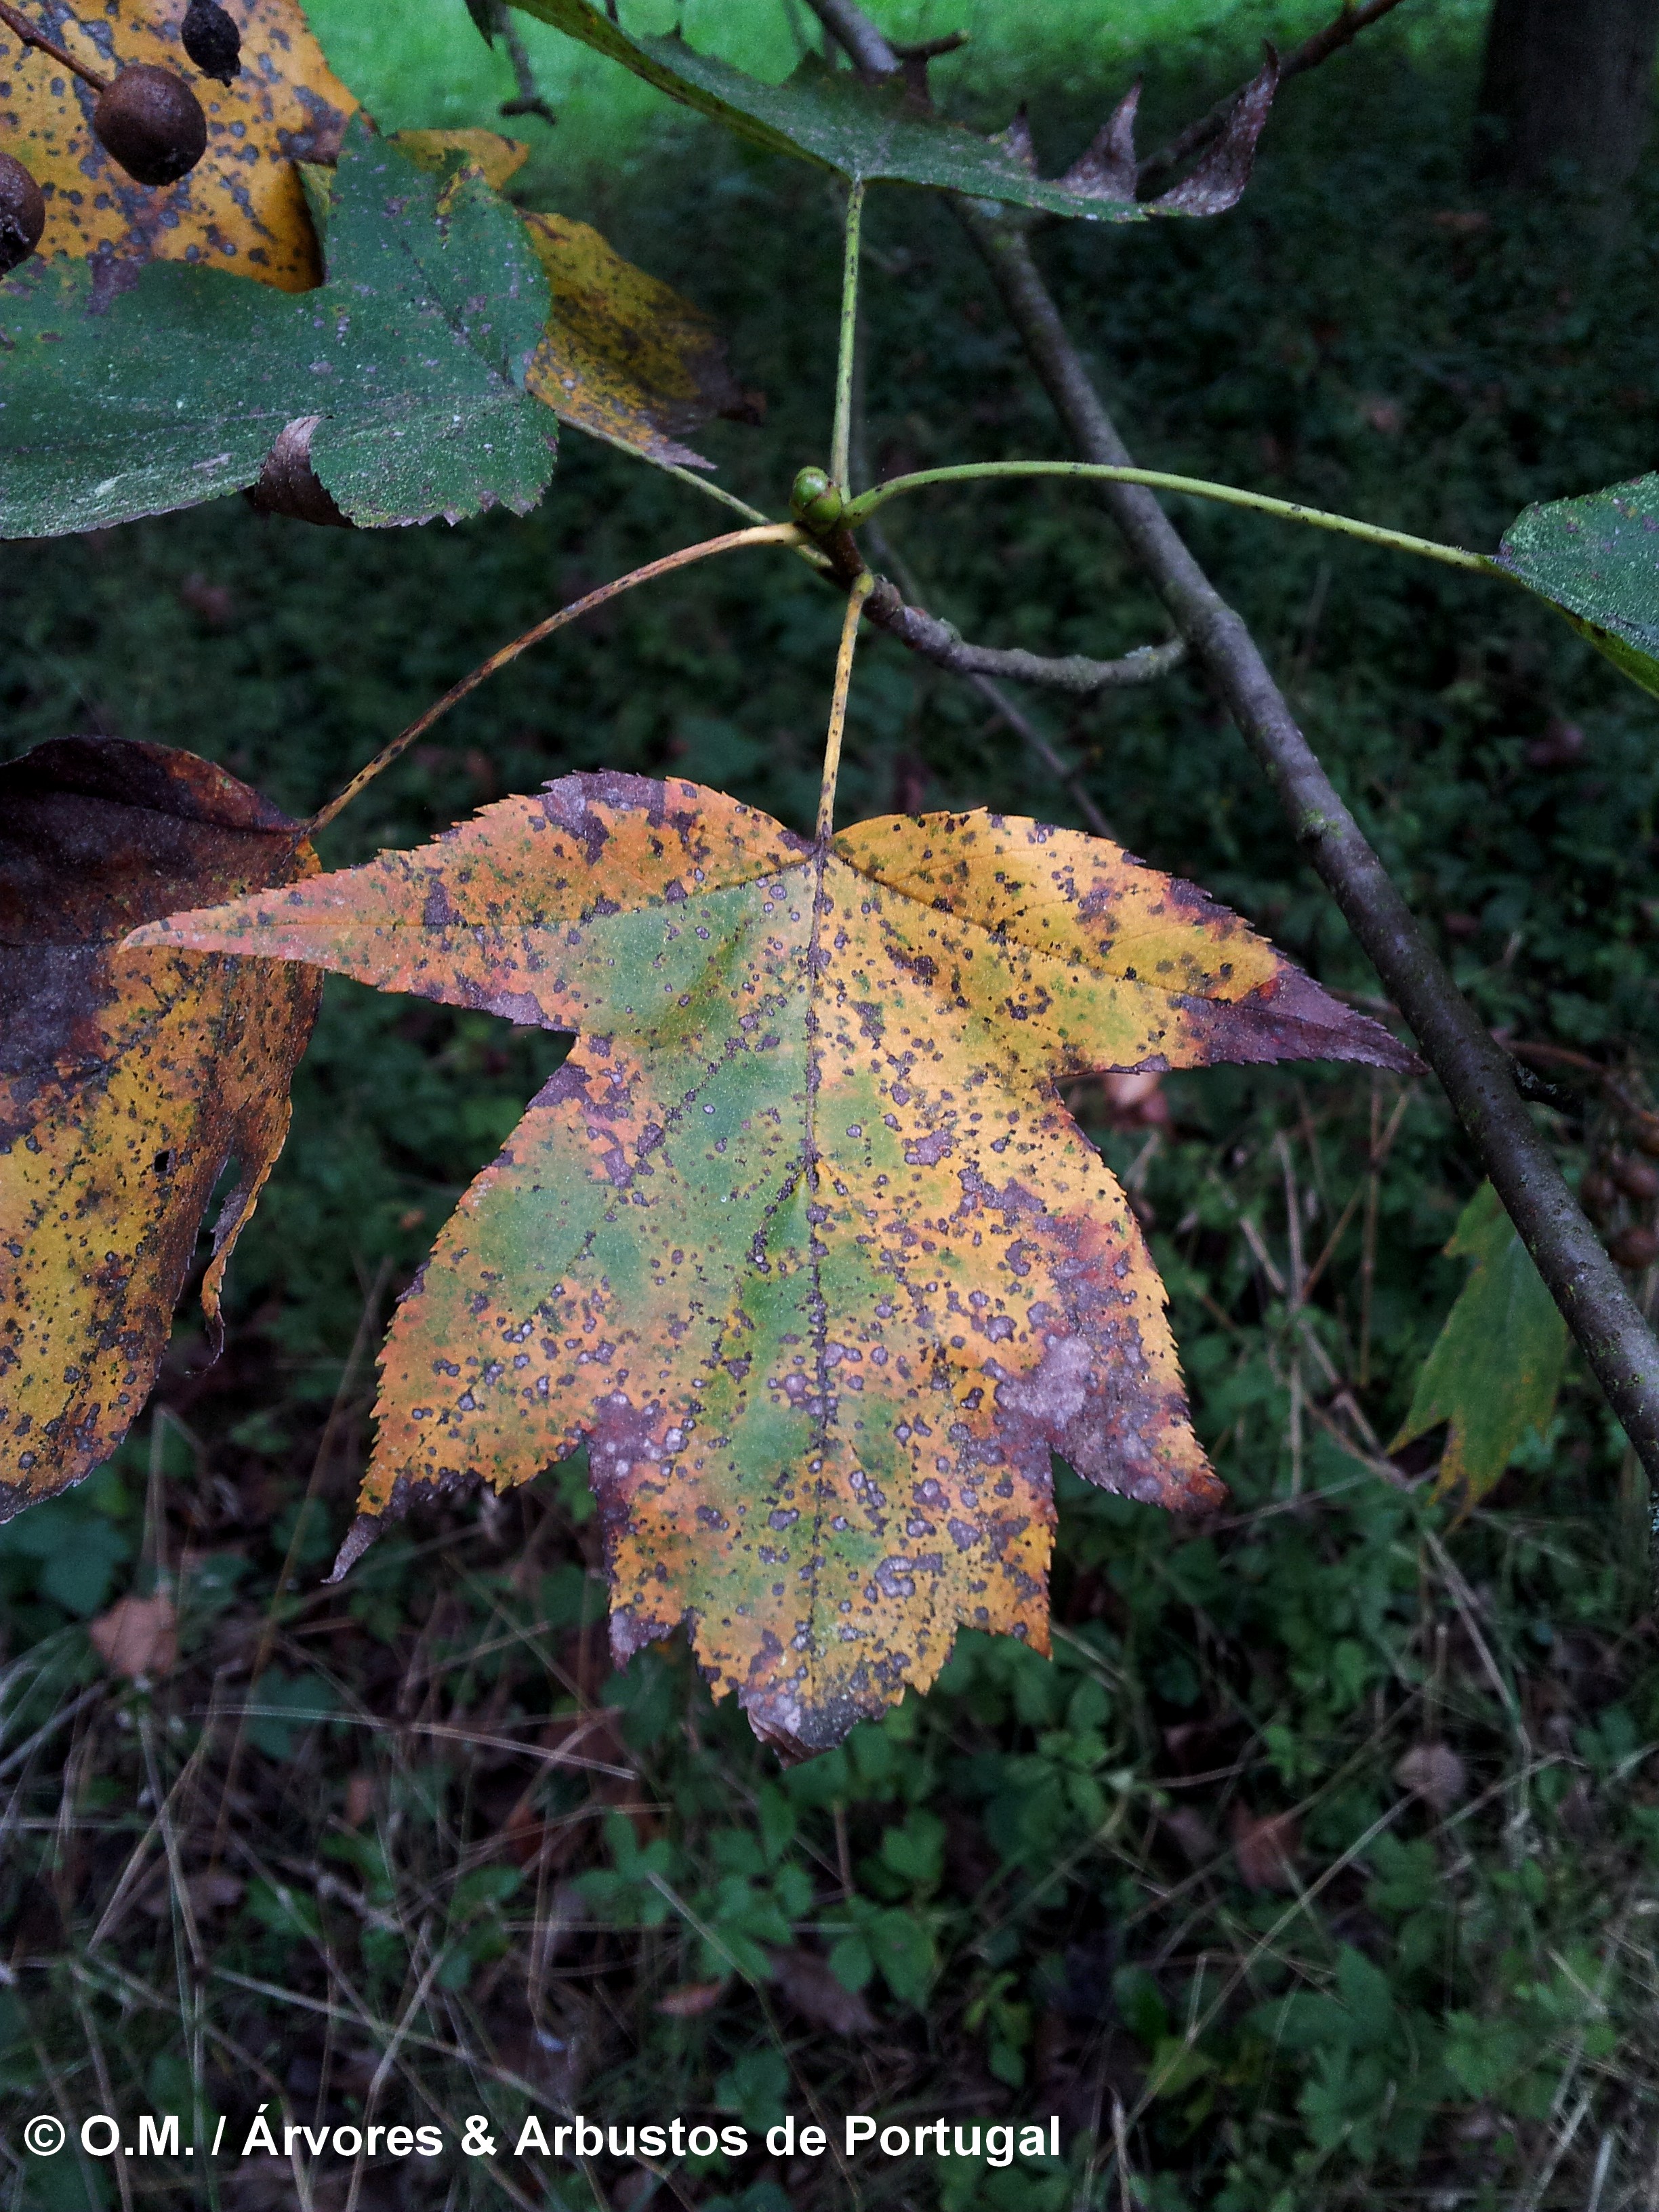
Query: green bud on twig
[(817, 502)]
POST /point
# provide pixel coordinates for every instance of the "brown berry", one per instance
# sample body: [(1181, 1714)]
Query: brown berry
[(152, 123), (1638, 1179), (1596, 1192), (22, 214), (212, 40), (1646, 1134), (1635, 1247)]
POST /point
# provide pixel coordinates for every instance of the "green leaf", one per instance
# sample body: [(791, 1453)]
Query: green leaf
[(902, 1947), (1484, 2055), (850, 1962), (915, 1852), (282, 1707), (756, 2088), (484, 1886), (1495, 1368), (400, 381), (78, 1553), (878, 134), (1596, 560)]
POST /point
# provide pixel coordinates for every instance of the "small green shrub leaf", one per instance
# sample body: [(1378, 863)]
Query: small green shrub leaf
[(1596, 559), (1494, 1370), (876, 134), (281, 1707)]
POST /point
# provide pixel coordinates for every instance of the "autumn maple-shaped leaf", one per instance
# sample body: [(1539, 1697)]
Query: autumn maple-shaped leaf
[(128, 1080), (800, 1237), (874, 134)]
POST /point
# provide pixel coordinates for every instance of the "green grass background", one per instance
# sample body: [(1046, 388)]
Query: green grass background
[(426, 63)]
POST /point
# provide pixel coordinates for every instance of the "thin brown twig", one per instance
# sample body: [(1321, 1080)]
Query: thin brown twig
[(529, 99), (770, 533), (868, 48), (1380, 1149), (1476, 1074), (27, 32), (1603, 1078), (1069, 778), (1367, 1239), (1032, 737), (944, 645), (94, 2043)]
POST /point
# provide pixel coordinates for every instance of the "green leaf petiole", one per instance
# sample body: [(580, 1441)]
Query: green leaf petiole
[(841, 442), (860, 510)]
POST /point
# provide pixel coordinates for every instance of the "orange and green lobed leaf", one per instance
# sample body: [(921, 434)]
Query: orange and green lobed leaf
[(129, 1080), (243, 207), (800, 1239)]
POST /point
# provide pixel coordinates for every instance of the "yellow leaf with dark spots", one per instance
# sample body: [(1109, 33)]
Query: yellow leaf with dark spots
[(625, 357), (129, 1080), (800, 1239), (242, 207)]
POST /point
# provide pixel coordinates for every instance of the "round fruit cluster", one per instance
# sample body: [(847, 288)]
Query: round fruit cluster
[(146, 118)]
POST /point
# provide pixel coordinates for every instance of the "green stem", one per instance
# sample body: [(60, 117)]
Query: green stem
[(841, 442), (702, 483), (1399, 541)]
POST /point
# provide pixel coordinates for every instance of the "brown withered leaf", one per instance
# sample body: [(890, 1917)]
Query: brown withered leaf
[(689, 2000), (1265, 1847), (243, 206), (800, 1238), (1434, 1773), (807, 1982), (137, 1636), (1187, 1827), (128, 1080)]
